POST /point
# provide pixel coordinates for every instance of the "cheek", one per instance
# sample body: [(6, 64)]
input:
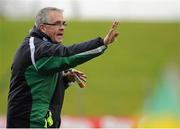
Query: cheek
[(55, 34), (48, 32), (52, 34)]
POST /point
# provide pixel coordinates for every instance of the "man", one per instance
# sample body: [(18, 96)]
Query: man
[(39, 76)]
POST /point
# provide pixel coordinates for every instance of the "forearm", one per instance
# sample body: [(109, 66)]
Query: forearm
[(85, 46)]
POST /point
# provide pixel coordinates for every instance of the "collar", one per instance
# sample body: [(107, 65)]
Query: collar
[(35, 32)]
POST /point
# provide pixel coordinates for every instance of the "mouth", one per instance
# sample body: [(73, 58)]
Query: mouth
[(60, 34)]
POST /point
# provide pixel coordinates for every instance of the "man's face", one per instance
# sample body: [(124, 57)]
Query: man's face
[(55, 26)]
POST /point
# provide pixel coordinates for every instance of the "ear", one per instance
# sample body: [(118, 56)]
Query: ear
[(42, 28)]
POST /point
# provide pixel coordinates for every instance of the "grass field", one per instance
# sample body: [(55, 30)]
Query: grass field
[(119, 80)]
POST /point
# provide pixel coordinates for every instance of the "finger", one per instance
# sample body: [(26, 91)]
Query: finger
[(76, 71), (84, 76), (116, 23), (112, 36), (83, 79), (113, 25), (81, 74), (110, 33), (80, 83), (113, 28)]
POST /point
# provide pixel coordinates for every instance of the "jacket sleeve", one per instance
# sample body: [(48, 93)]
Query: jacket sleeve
[(56, 57)]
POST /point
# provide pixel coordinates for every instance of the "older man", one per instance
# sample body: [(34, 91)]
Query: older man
[(38, 80)]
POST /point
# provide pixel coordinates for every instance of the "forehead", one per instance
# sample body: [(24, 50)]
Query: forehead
[(55, 16)]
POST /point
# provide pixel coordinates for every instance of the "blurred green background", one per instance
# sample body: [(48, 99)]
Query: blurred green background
[(119, 80)]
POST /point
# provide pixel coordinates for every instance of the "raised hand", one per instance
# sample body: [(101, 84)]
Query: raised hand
[(112, 34)]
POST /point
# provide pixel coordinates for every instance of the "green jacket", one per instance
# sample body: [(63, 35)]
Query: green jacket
[(37, 84)]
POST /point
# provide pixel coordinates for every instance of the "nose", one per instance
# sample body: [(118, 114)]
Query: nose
[(61, 28)]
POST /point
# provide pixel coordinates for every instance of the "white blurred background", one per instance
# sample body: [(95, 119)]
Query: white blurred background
[(146, 10)]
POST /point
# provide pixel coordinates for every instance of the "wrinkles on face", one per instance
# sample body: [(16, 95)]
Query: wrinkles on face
[(55, 32)]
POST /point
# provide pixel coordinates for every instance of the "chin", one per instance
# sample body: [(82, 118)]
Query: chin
[(58, 40)]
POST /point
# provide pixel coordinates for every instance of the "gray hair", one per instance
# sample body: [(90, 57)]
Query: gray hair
[(42, 16)]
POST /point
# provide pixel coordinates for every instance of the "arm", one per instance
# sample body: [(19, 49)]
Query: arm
[(55, 57), (61, 58)]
